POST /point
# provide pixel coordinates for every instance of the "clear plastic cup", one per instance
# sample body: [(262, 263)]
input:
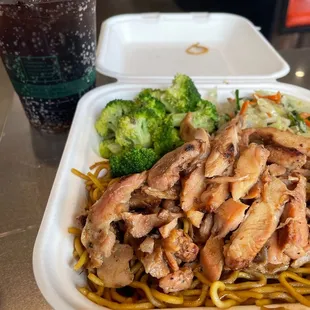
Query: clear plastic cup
[(48, 49)]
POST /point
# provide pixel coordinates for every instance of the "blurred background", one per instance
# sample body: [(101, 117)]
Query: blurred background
[(285, 23)]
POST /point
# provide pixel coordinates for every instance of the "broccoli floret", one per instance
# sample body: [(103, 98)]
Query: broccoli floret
[(204, 117), (106, 123), (109, 147), (132, 161), (147, 98), (166, 137), (182, 96), (136, 129)]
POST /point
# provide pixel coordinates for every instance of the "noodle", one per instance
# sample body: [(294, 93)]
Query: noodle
[(74, 231), (113, 305), (100, 163), (83, 290), (148, 293), (139, 273), (82, 261), (136, 267), (195, 283), (247, 285), (176, 300), (202, 278), (95, 181), (95, 279), (144, 278), (100, 290), (263, 302), (214, 289), (78, 246), (107, 294), (292, 291), (191, 292), (118, 297), (199, 301), (185, 225), (80, 174)]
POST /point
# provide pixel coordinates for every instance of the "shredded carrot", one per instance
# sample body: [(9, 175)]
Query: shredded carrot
[(269, 114), (304, 116), (276, 97), (307, 122), (245, 107)]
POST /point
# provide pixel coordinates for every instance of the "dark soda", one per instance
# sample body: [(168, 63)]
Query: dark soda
[(48, 49)]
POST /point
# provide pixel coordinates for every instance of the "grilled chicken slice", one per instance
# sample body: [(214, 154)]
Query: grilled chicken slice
[(189, 133), (276, 170), (193, 186), (141, 199), (289, 158), (307, 164), (271, 259), (212, 258), (303, 259), (181, 245), (155, 264), (166, 172), (97, 235), (215, 195), (251, 164), (115, 271), (177, 281), (171, 205), (281, 138), (294, 235), (223, 149), (139, 225), (228, 217), (261, 221), (205, 228), (165, 230), (170, 194), (195, 217), (255, 191), (147, 246)]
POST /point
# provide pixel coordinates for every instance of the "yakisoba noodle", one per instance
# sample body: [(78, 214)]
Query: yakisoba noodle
[(238, 288)]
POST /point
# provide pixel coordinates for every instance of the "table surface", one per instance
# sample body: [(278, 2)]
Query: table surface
[(28, 164)]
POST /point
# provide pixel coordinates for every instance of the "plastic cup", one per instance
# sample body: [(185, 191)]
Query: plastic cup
[(48, 49)]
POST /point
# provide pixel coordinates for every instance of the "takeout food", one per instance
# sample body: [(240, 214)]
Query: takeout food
[(220, 220)]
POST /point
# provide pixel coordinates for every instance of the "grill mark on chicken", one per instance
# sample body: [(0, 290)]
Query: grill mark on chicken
[(224, 148), (166, 172), (281, 138), (289, 158)]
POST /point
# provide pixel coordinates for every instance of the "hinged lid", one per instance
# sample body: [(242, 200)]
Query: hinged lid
[(153, 47)]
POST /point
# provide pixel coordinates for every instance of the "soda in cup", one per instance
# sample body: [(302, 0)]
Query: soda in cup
[(48, 50)]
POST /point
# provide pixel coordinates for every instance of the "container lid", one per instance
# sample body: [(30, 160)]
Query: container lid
[(154, 47)]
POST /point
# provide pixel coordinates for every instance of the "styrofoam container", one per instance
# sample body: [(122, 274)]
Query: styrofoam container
[(52, 257)]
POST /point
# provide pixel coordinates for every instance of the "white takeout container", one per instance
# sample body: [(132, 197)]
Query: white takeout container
[(140, 51)]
